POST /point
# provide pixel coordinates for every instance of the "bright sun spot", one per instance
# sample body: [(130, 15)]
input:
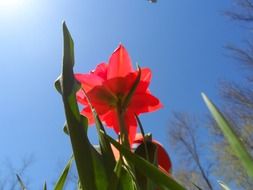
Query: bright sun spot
[(10, 5)]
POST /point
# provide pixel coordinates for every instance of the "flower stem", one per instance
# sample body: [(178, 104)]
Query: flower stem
[(122, 125)]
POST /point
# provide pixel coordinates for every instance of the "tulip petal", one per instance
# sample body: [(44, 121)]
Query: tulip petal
[(138, 138), (141, 103), (131, 125), (89, 81), (120, 85), (119, 63), (81, 98), (146, 75), (87, 112), (163, 158), (101, 70), (132, 129), (101, 95), (110, 118)]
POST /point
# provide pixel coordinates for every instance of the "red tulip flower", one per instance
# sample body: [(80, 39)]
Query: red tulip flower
[(106, 88), (163, 159)]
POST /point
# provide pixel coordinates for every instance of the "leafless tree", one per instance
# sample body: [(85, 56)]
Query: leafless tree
[(8, 172), (238, 107), (242, 11), (183, 130)]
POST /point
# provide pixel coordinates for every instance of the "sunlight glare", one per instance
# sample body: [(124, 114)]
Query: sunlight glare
[(10, 5)]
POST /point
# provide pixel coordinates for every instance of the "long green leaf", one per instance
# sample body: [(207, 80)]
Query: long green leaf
[(121, 180), (126, 181), (148, 169), (114, 180), (106, 149), (105, 146), (128, 97), (62, 179), (231, 136), (45, 186), (20, 181), (143, 181), (89, 164), (79, 186)]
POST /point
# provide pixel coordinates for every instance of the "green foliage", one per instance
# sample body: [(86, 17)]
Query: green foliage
[(62, 179), (127, 99), (231, 136), (149, 170), (45, 186), (148, 151), (89, 163)]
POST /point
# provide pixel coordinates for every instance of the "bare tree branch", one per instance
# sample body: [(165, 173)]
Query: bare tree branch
[(9, 180), (183, 133)]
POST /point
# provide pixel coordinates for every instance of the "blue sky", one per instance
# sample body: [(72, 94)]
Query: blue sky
[(181, 41)]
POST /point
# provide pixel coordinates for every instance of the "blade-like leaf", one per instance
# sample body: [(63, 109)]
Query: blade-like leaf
[(65, 129), (114, 181), (231, 136), (57, 84), (106, 149), (148, 169), (79, 186), (126, 181), (132, 90), (45, 186), (223, 185), (121, 180), (22, 185), (143, 135), (143, 181), (62, 179), (89, 164), (149, 183)]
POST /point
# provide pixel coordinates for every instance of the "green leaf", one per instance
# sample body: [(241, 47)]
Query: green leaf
[(114, 180), (223, 185), (79, 186), (89, 164), (128, 98), (150, 156), (57, 84), (65, 129), (106, 149), (148, 169), (126, 181), (122, 179), (235, 143), (45, 186), (143, 136), (62, 179), (22, 185)]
